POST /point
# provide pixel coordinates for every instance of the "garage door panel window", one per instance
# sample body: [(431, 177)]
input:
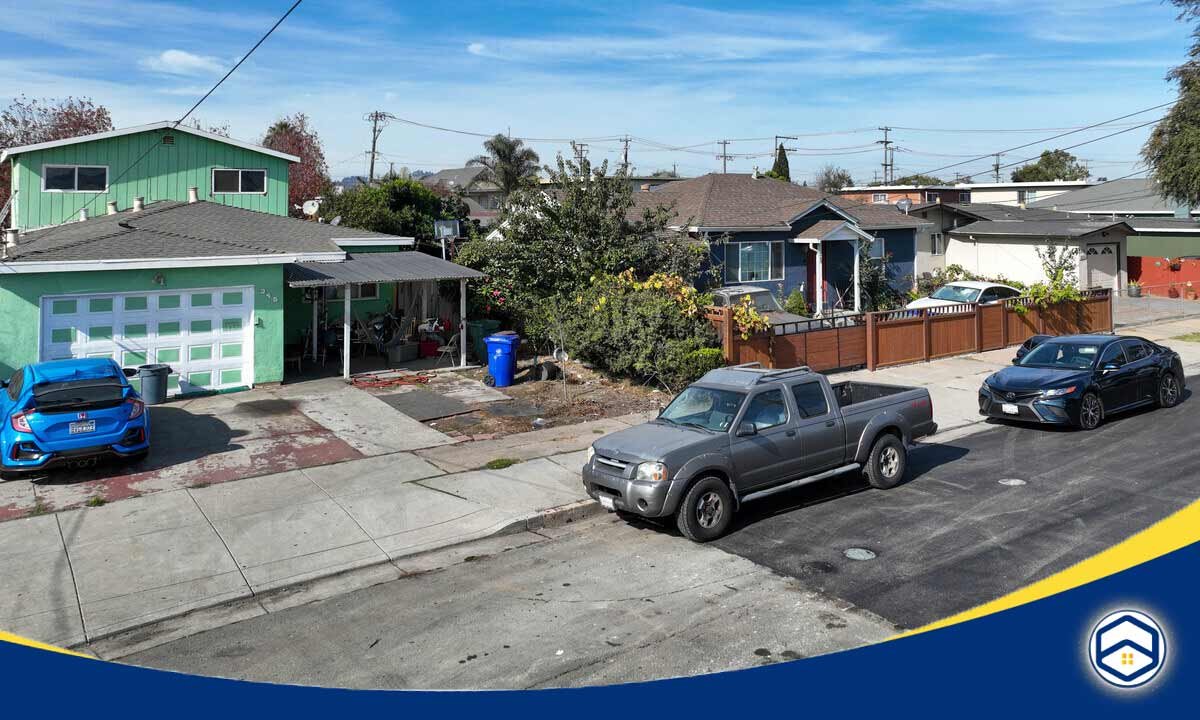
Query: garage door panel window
[(167, 355), (231, 298), (137, 303), (169, 329), (100, 332), (231, 350), (168, 302), (133, 359), (200, 352), (231, 325), (201, 326), (63, 307), (231, 377), (201, 300), (200, 380), (136, 332), (100, 305), (62, 335)]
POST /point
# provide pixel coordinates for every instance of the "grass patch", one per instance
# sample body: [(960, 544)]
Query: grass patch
[(199, 485), (501, 463), (1190, 337), (597, 431), (39, 508), (95, 501)]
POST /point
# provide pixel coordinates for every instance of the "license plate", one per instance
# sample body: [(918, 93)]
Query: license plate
[(1009, 409), (606, 502), (81, 427)]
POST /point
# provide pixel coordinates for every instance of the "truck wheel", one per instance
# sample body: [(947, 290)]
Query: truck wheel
[(887, 462), (706, 510)]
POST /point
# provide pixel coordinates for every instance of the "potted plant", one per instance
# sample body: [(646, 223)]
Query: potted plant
[(1135, 288), (1190, 292), (1173, 292)]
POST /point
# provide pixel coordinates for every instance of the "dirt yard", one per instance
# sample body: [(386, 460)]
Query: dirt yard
[(585, 395)]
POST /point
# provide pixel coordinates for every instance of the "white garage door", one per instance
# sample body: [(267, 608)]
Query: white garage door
[(206, 336), (1102, 266)]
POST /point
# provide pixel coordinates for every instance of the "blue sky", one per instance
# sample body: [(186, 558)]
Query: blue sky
[(681, 74)]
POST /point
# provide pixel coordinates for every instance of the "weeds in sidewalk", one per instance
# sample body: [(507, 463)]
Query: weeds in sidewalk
[(501, 463), (1190, 337), (39, 508), (95, 501)]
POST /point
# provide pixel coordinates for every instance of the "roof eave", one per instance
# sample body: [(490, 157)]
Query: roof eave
[(160, 125)]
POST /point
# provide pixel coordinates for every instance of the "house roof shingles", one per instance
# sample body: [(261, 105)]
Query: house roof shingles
[(1130, 195), (182, 230), (740, 200), (997, 212), (1038, 228)]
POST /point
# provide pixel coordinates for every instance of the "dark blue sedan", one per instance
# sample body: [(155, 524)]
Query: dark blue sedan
[(1081, 379), (69, 413)]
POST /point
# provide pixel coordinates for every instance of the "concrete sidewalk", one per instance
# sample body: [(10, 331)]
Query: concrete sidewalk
[(83, 574)]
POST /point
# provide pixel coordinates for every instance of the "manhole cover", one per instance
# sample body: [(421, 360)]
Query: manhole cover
[(1012, 481), (859, 554)]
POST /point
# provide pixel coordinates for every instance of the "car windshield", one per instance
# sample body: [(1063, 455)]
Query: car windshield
[(956, 293), (1062, 355), (763, 301), (702, 407)]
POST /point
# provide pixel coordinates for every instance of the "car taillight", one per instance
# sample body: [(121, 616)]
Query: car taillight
[(136, 408), (20, 422)]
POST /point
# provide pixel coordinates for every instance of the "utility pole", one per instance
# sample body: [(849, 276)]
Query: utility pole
[(625, 155), (996, 167), (724, 156), (888, 174), (379, 120), (580, 150)]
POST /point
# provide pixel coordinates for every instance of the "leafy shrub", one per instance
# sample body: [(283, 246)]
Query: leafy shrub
[(684, 361), (748, 319), (796, 304)]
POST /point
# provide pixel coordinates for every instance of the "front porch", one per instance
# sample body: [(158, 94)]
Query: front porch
[(413, 331), (833, 257)]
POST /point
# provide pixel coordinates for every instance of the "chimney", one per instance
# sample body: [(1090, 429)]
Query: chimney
[(82, 214), (193, 194), (112, 207), (11, 237), (645, 187), (139, 204)]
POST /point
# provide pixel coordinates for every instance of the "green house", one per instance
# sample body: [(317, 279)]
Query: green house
[(158, 244)]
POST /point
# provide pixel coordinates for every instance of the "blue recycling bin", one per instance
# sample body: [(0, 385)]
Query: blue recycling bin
[(502, 357)]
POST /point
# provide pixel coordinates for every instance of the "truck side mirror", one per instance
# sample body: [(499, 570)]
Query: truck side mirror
[(746, 429), (1016, 361)]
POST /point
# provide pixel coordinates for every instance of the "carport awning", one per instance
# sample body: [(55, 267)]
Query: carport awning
[(409, 266)]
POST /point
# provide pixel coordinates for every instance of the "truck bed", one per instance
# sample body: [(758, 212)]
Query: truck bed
[(852, 393)]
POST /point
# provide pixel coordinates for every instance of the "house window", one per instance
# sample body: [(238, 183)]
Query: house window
[(937, 244), (964, 197), (878, 251), (74, 178), (365, 291), (753, 262), (230, 181), (879, 198), (1026, 196), (931, 197)]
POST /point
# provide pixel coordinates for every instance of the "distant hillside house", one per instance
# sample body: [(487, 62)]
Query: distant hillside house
[(482, 196)]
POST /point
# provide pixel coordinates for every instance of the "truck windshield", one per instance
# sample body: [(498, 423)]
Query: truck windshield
[(707, 408), (1062, 355)]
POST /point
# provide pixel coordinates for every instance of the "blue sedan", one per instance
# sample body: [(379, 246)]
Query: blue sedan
[(70, 413)]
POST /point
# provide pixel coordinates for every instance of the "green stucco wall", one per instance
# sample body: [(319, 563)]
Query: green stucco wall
[(165, 173), (298, 316), (20, 306)]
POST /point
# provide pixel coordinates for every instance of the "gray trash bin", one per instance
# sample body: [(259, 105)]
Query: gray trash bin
[(154, 383)]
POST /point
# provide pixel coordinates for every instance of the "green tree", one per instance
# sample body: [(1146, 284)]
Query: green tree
[(780, 169), (552, 246), (919, 180), (508, 163), (1173, 149), (1051, 165), (831, 178), (397, 207)]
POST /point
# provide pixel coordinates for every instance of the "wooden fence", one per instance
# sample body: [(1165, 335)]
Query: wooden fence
[(899, 337)]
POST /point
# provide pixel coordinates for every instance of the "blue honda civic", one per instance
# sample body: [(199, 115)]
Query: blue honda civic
[(70, 413)]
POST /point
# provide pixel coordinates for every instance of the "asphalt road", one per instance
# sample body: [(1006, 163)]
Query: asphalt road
[(954, 536), (610, 602), (603, 603)]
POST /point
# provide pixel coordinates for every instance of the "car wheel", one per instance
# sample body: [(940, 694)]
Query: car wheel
[(1091, 412), (1168, 390), (887, 462), (706, 510)]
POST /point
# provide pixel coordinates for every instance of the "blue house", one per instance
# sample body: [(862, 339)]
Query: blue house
[(784, 237)]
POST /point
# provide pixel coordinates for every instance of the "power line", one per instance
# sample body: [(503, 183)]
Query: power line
[(187, 114)]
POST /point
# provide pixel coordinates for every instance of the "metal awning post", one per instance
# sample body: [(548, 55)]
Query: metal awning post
[(346, 334), (315, 303), (857, 259), (462, 315), (820, 281)]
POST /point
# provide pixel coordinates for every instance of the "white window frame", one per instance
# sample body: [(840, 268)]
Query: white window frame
[(931, 197), (334, 292), (879, 198), (772, 270), (213, 181), (76, 169), (937, 244), (882, 249)]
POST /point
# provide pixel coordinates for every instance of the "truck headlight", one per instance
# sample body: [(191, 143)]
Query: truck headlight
[(1058, 392), (591, 453), (651, 471)]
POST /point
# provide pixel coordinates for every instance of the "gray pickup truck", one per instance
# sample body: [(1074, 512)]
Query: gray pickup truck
[(742, 433)]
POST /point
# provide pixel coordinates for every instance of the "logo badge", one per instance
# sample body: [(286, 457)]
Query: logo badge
[(81, 416), (1010, 396), (1127, 648)]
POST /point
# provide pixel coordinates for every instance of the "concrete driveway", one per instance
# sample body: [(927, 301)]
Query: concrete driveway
[(215, 439)]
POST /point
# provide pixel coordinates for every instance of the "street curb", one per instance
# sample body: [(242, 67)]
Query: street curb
[(142, 636)]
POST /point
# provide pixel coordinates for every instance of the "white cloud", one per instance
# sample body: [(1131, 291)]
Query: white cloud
[(477, 48), (181, 62)]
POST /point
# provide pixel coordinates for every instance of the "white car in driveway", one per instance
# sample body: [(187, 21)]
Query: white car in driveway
[(964, 292)]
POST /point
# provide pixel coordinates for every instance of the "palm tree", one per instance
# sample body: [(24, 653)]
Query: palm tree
[(508, 163)]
